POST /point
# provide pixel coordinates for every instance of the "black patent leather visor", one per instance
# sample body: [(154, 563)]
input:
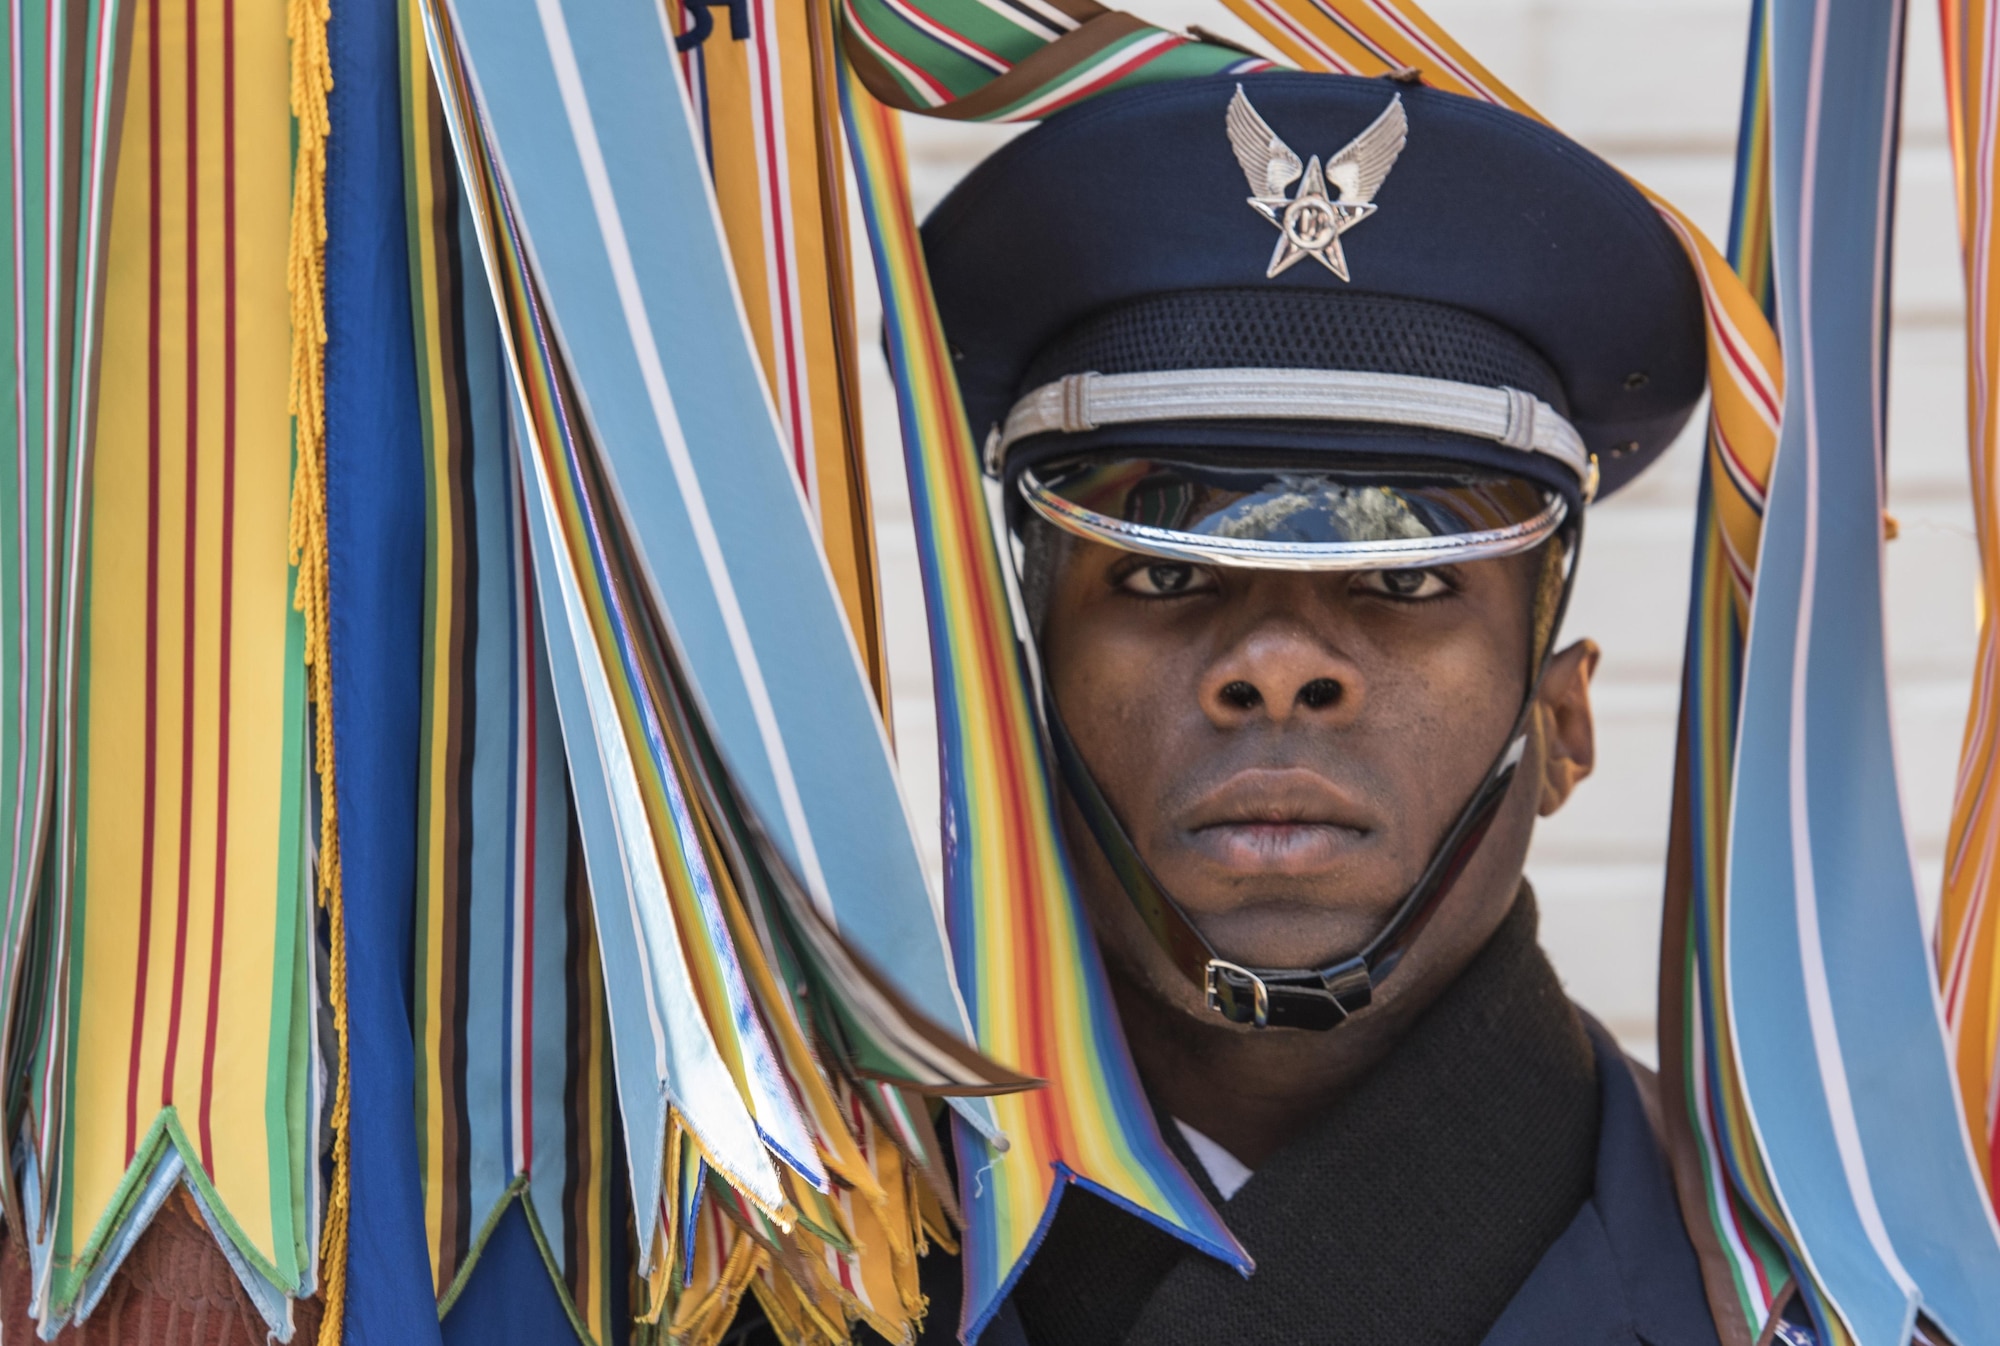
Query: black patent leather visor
[(1363, 516)]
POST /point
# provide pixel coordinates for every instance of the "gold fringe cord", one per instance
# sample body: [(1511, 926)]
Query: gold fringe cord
[(311, 80)]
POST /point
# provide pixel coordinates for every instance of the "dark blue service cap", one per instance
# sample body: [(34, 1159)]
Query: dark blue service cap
[(1119, 238)]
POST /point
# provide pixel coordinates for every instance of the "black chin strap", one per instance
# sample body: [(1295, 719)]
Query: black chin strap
[(1320, 997), (1262, 997)]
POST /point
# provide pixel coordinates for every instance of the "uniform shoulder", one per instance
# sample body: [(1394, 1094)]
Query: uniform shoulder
[(1646, 1081)]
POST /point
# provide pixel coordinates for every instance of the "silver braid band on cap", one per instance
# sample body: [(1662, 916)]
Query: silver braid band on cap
[(1505, 416)]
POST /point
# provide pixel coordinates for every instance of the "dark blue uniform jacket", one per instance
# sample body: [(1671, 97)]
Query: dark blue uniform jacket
[(1623, 1273)]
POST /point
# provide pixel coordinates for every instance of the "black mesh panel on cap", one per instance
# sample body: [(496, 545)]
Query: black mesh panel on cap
[(1297, 329)]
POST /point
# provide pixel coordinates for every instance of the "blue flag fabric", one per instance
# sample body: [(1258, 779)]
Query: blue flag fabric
[(375, 526), (509, 1299)]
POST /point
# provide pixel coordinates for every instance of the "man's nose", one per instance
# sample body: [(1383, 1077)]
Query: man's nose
[(1280, 672)]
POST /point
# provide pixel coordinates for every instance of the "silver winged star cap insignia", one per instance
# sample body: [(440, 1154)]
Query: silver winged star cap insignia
[(1310, 224)]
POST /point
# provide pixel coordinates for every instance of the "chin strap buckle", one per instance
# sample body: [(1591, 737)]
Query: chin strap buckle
[(1264, 998), (1237, 994)]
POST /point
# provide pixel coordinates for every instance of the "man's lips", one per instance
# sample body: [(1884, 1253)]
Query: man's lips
[(1275, 848), (1275, 821)]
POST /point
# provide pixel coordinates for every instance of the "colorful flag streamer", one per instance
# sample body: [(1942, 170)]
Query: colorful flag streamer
[(1832, 992), (766, 107), (183, 1049), (514, 1091), (1739, 1235), (62, 97), (748, 1000), (973, 61), (751, 611), (1968, 934), (656, 1017)]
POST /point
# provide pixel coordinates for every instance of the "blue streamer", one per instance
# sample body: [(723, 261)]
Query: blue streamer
[(375, 527), (1837, 1020)]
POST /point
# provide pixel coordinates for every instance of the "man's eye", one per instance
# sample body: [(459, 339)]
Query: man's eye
[(1404, 584), (1167, 579)]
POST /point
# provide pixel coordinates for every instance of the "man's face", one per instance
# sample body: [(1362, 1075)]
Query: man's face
[(1288, 750)]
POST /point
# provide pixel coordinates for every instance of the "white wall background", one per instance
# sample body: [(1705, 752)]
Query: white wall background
[(1653, 86)]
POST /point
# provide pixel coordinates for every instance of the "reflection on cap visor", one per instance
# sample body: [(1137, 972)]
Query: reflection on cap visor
[(1352, 517)]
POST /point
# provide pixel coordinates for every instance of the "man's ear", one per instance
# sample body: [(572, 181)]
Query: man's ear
[(1569, 735)]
